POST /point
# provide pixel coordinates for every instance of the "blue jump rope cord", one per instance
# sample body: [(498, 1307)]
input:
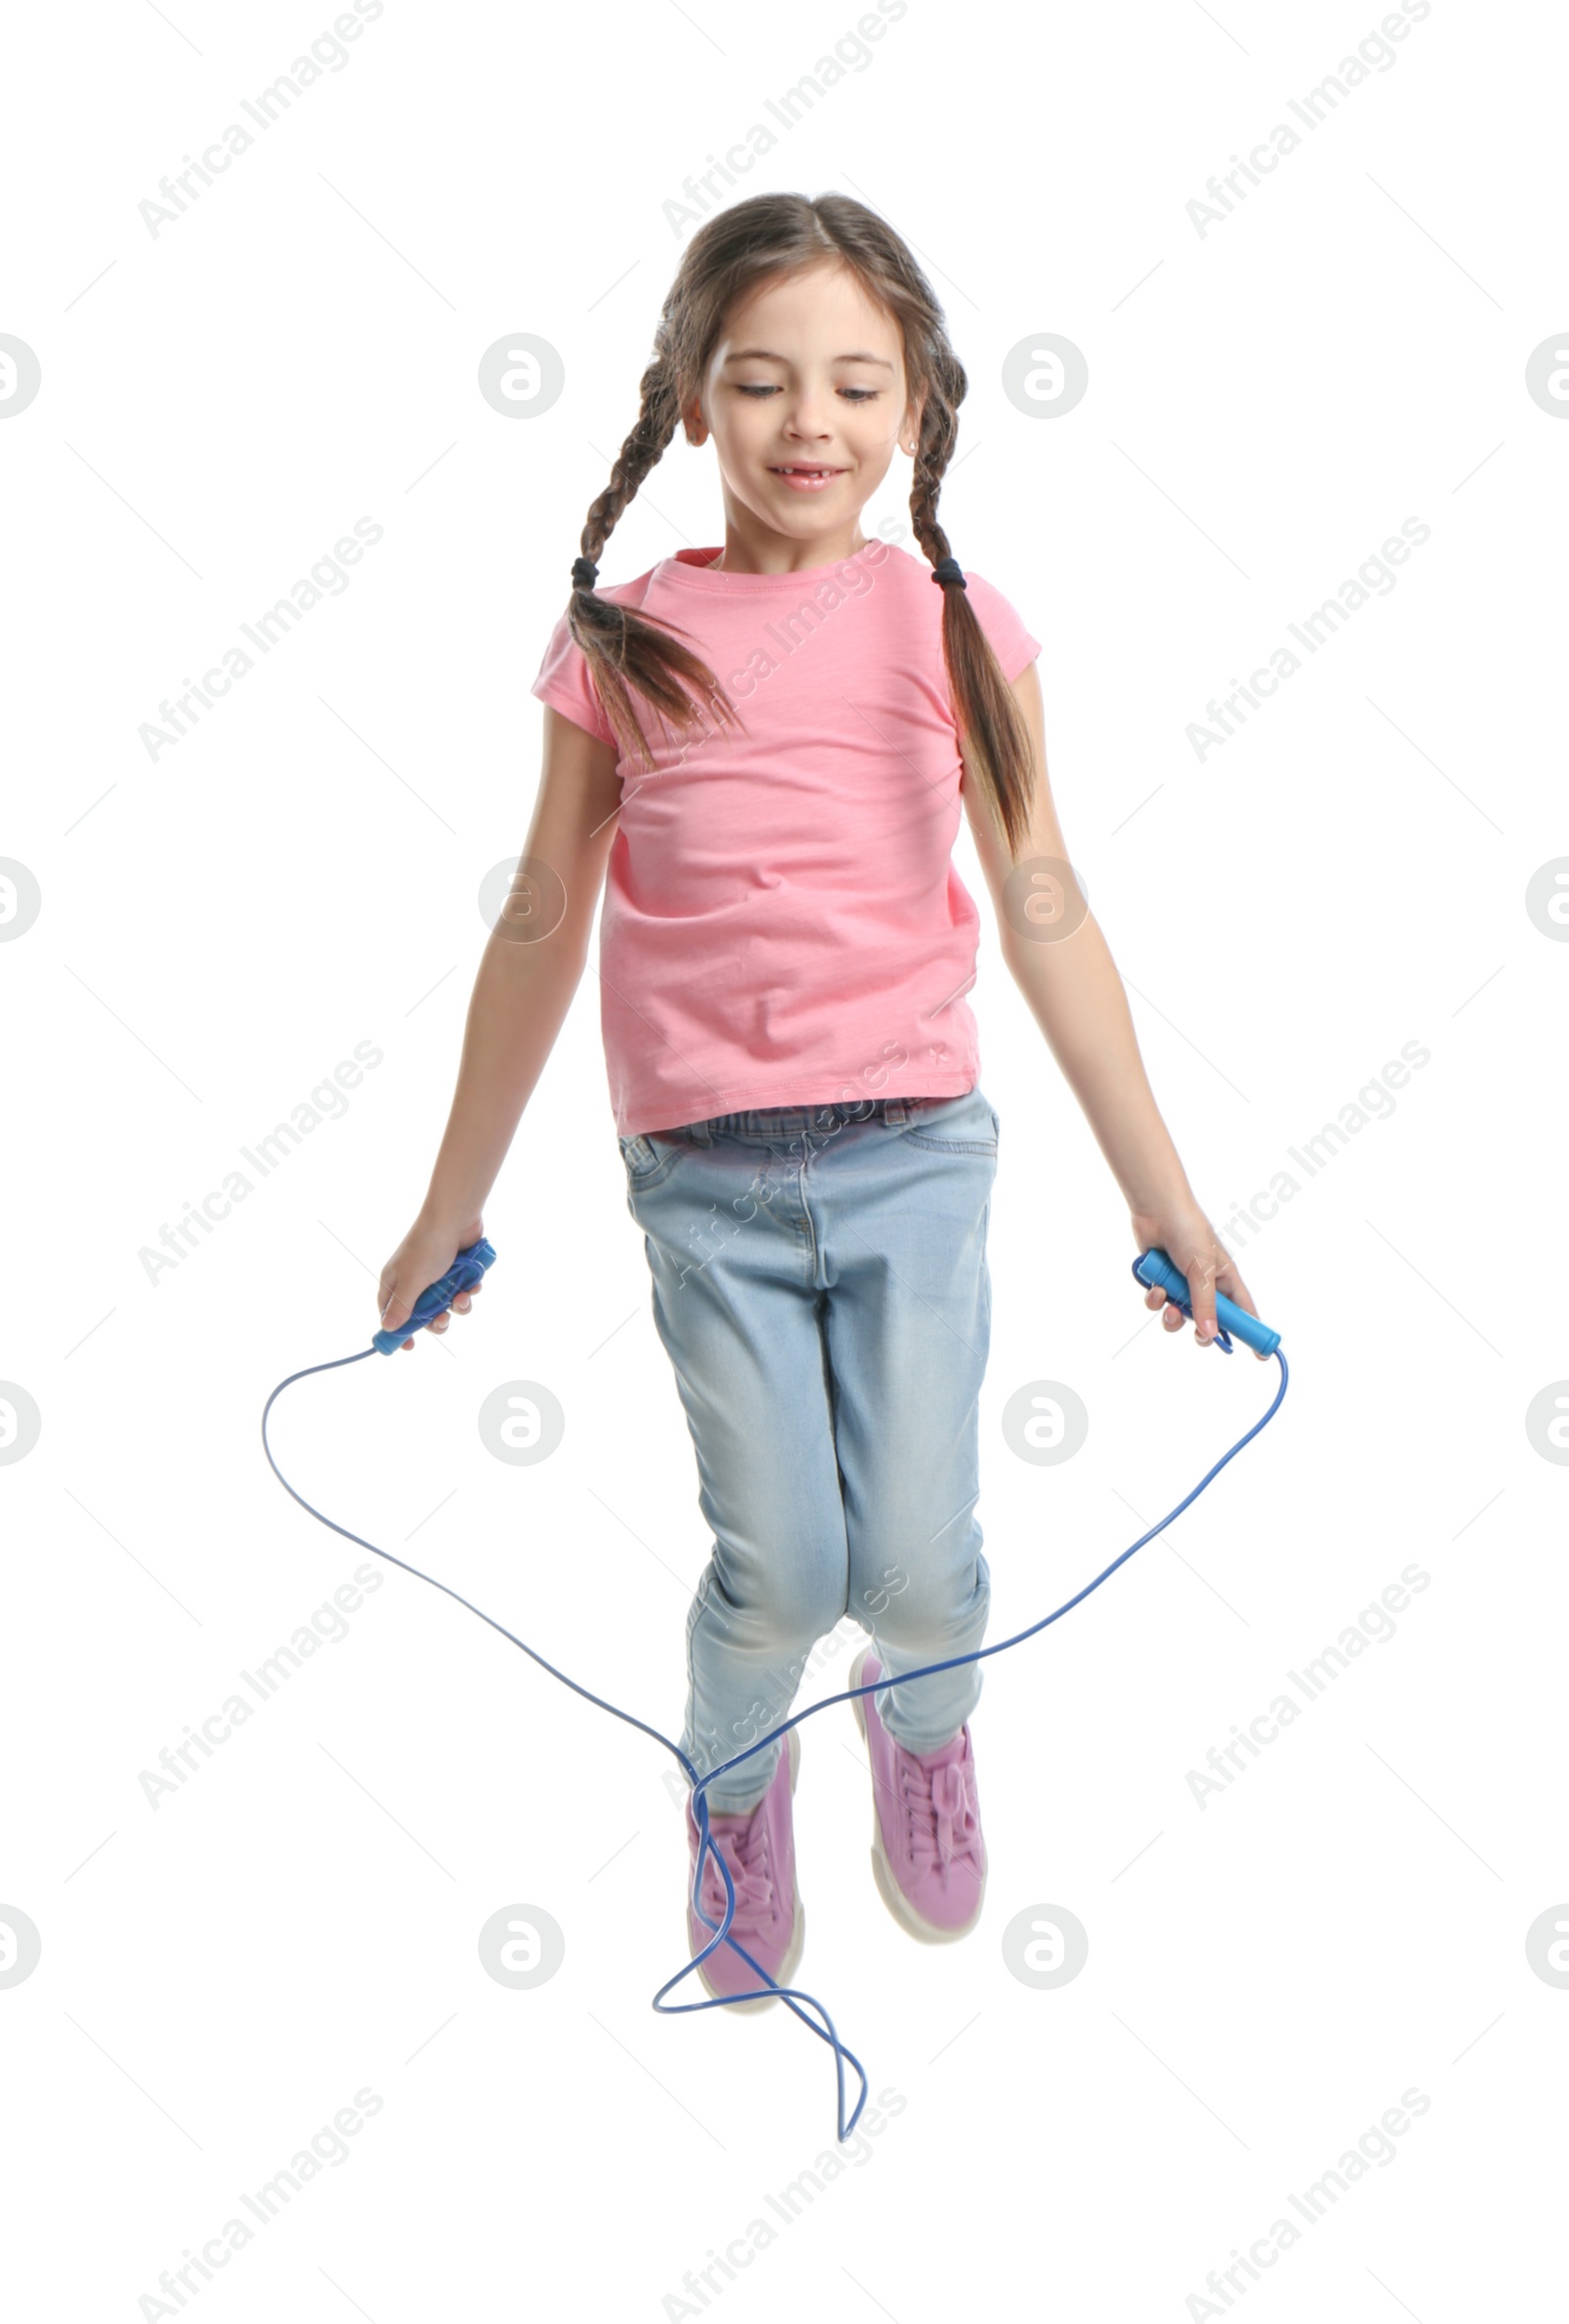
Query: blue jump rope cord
[(792, 1996)]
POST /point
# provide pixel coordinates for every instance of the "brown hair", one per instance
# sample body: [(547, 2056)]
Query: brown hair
[(765, 239)]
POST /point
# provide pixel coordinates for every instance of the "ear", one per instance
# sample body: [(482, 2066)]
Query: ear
[(910, 432), (695, 425)]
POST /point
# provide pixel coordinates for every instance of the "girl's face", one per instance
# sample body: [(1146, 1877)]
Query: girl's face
[(807, 378)]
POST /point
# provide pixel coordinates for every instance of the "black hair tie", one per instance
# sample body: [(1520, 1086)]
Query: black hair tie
[(946, 568), (585, 574)]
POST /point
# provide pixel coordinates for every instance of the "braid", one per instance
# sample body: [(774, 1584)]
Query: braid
[(939, 431), (628, 650), (984, 708), (655, 425)]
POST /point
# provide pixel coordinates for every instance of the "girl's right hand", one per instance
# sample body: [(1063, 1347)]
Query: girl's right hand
[(423, 1257)]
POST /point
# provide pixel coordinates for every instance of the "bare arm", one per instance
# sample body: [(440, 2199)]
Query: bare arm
[(1062, 964), (522, 993)]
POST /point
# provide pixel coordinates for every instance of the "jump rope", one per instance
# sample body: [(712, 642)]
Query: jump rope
[(1151, 1269)]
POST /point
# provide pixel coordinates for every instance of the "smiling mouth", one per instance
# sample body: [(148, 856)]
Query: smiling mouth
[(804, 482)]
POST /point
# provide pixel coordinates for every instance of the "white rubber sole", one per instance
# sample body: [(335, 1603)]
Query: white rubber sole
[(888, 1887), (792, 1957)]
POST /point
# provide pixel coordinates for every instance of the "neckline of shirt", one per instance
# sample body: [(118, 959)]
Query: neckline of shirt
[(694, 566)]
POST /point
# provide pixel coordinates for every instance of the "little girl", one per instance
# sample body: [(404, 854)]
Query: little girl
[(784, 947)]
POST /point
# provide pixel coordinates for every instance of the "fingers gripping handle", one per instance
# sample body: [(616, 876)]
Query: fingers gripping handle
[(463, 1274), (1154, 1270)]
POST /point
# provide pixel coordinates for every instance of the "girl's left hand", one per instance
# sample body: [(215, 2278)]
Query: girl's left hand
[(1182, 1231)]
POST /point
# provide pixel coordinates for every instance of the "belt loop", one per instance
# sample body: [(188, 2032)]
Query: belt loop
[(701, 1133), (895, 1110)]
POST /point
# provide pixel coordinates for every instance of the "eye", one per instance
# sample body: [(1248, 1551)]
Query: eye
[(761, 388)]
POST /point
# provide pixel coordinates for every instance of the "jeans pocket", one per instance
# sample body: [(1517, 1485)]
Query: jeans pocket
[(648, 1159), (965, 1124)]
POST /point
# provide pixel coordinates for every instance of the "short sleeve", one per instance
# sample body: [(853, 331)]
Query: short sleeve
[(565, 684), (1007, 634)]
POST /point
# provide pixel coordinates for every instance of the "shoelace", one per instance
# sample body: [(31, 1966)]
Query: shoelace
[(942, 1822), (746, 1852)]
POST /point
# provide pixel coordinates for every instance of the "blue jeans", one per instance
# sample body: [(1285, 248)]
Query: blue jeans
[(820, 1285)]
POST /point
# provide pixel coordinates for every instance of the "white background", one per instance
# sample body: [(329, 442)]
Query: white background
[(1267, 1973)]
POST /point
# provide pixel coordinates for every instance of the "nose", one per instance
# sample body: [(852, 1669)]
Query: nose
[(808, 415)]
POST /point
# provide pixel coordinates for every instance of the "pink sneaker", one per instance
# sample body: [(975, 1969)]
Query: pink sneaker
[(770, 1919), (927, 1850)]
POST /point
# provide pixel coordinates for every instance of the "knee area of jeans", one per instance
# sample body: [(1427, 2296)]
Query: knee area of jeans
[(775, 1625), (922, 1615), (910, 1634)]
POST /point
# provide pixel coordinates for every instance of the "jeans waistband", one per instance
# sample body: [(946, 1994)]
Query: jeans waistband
[(768, 1121)]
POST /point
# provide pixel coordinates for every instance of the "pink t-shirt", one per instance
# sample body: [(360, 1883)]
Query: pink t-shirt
[(783, 922)]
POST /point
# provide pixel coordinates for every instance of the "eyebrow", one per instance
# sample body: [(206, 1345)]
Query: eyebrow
[(767, 355)]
